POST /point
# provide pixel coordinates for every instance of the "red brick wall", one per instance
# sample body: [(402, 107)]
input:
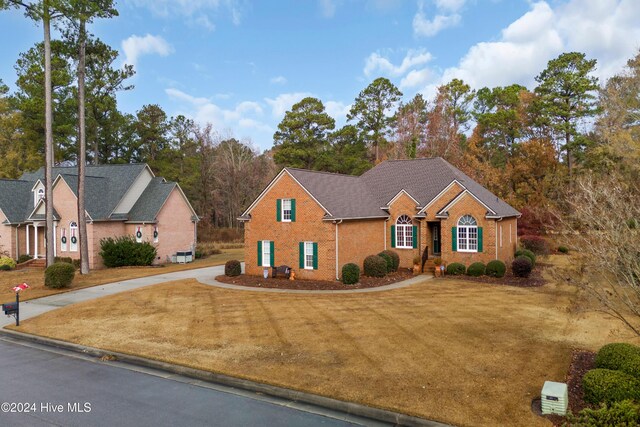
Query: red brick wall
[(286, 235), (404, 205), (359, 239), (507, 247)]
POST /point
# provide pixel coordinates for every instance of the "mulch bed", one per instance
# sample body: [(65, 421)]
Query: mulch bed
[(314, 285), (534, 280)]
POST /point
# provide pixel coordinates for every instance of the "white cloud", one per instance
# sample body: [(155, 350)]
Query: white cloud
[(190, 8), (283, 102), (136, 46), (338, 110), (327, 7), (447, 18), (376, 63), (416, 78), (278, 80), (607, 30)]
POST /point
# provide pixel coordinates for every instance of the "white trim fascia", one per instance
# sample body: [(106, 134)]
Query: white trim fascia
[(355, 217), (36, 184), (397, 196), (455, 181), (457, 199), (273, 182)]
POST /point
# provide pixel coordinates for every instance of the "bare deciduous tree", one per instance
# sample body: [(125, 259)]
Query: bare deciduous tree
[(601, 223)]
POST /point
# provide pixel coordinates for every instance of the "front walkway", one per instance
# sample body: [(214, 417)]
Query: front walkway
[(205, 276)]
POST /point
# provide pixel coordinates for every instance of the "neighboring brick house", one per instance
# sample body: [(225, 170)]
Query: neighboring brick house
[(125, 199), (316, 222)]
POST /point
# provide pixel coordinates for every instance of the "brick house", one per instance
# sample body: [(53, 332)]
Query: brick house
[(316, 222), (125, 199)]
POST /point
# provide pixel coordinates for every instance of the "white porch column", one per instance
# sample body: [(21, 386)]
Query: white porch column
[(35, 250), (55, 239), (28, 252)]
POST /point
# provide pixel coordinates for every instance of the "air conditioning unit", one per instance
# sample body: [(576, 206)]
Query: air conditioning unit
[(555, 398), (184, 257)]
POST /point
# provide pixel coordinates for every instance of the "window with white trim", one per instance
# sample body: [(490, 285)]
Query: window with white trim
[(266, 253), (286, 210), (467, 234), (308, 255), (73, 239), (39, 196), (404, 232)]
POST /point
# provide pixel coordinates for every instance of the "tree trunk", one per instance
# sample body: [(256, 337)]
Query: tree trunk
[(48, 130), (82, 155)]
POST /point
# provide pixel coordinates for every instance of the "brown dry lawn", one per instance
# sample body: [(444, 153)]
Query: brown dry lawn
[(459, 352), (35, 277)]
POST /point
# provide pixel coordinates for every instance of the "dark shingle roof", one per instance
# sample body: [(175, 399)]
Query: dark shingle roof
[(346, 196), (151, 201), (16, 199), (105, 185)]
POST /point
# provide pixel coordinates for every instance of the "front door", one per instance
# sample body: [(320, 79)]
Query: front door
[(435, 235)]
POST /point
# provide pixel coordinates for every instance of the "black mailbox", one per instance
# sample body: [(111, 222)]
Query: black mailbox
[(10, 308)]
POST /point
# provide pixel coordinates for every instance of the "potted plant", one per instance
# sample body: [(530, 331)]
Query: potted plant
[(416, 264), (437, 262)]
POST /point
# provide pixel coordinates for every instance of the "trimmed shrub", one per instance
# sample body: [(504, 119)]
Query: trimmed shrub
[(59, 275), (375, 266), (66, 259), (496, 268), (620, 357), (528, 254), (76, 263), (456, 269), (563, 249), (536, 244), (7, 263), (476, 269), (388, 260), (522, 266), (350, 274), (232, 268), (605, 385), (198, 254), (625, 413), (124, 250), (24, 258), (394, 257)]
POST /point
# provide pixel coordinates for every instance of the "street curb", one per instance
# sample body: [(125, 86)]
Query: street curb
[(350, 408)]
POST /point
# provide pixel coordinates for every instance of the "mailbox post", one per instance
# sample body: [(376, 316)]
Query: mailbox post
[(13, 308)]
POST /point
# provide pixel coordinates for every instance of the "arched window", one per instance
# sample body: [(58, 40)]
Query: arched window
[(404, 232), (73, 229), (467, 234)]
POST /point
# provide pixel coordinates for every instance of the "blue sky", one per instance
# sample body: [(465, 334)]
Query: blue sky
[(241, 64)]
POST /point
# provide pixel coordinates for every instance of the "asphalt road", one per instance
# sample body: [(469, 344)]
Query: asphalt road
[(54, 385)]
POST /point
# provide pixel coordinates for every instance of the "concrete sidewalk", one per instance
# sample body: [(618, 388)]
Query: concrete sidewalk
[(205, 276)]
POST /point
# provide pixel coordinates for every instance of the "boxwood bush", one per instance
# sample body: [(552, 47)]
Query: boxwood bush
[(24, 258), (476, 269), (522, 266), (232, 268), (388, 260), (375, 266), (7, 263), (620, 356), (496, 268), (394, 257), (350, 274), (528, 254), (607, 386), (66, 259), (59, 275), (124, 250), (456, 269), (625, 413)]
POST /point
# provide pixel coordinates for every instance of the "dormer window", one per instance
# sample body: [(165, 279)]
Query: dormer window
[(39, 196)]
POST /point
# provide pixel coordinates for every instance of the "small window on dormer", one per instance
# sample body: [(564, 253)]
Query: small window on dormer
[(39, 196)]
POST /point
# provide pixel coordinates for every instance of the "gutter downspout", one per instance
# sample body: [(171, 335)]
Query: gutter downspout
[(337, 261), (496, 223), (385, 233)]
